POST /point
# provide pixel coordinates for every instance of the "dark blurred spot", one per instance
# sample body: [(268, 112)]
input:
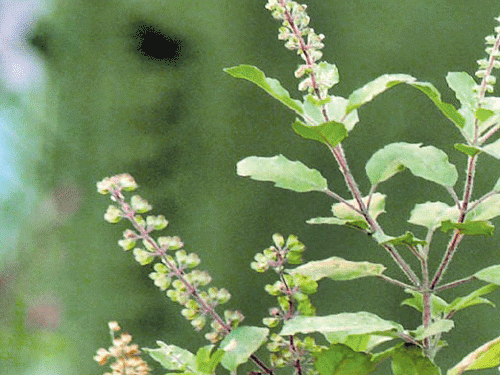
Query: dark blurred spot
[(156, 44), (40, 38)]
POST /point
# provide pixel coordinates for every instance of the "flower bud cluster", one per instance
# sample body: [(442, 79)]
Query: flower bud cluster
[(297, 34), (125, 355), (283, 355), (277, 256), (174, 272), (487, 65)]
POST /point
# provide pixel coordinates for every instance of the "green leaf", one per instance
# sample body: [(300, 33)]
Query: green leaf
[(427, 162), (339, 269), (407, 239), (344, 212), (172, 357), (439, 326), (337, 111), (270, 85), (497, 186), (438, 305), (286, 174), (472, 299), (359, 224), (447, 109), (372, 89), (347, 323), (410, 360), (486, 356), (492, 149), (463, 85), (467, 150), (489, 274), (486, 210), (342, 360), (240, 344), (359, 343), (205, 363), (330, 133), (431, 214), (483, 114), (470, 228)]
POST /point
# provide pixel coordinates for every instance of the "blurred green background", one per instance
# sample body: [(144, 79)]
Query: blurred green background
[(137, 86)]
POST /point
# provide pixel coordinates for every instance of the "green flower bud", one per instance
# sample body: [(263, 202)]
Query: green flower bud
[(270, 322), (127, 244), (113, 214), (139, 204), (143, 257), (156, 222), (170, 243), (199, 322), (278, 240)]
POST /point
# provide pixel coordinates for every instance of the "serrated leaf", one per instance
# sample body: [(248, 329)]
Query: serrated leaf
[(342, 360), (286, 174), (472, 299), (407, 239), (331, 133), (339, 269), (347, 323), (431, 214), (438, 305), (447, 109), (426, 162), (376, 87), (240, 344), (270, 85), (486, 210), (172, 357), (410, 360), (486, 356), (492, 149), (490, 275), (467, 150), (439, 326), (470, 228), (205, 362)]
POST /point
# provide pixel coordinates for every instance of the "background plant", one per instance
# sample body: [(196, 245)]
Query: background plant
[(329, 119)]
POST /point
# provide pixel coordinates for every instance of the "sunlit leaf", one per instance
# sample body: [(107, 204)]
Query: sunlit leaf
[(438, 305), (339, 269), (431, 214), (470, 228), (463, 85), (337, 111), (439, 326), (286, 174), (410, 360), (427, 162), (492, 149), (372, 89), (359, 224), (240, 344), (331, 133), (206, 362), (486, 356), (486, 210), (359, 343), (347, 323), (472, 299), (490, 275), (344, 212), (270, 85), (172, 357), (467, 150), (407, 239), (342, 360)]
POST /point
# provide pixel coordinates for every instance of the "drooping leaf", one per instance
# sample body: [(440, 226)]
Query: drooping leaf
[(372, 89), (463, 85), (427, 162), (360, 343), (431, 214), (347, 323), (339, 269), (408, 239), (492, 149), (359, 224), (270, 85), (439, 326), (286, 174), (486, 210), (240, 344), (486, 356), (490, 275), (172, 357), (344, 212), (342, 360), (331, 133), (410, 360), (472, 299), (438, 305), (447, 109), (337, 111), (205, 361), (470, 228), (466, 149)]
